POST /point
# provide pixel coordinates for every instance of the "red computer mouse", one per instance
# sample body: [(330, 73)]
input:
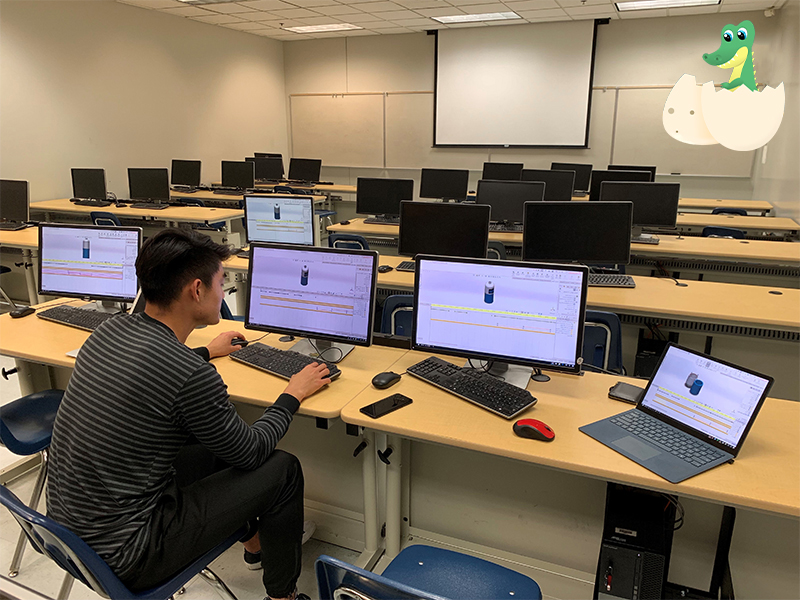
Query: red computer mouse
[(534, 430)]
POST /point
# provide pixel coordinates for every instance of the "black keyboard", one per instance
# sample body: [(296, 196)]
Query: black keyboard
[(283, 363), (515, 227), (88, 320), (653, 240), (149, 205), (669, 439), (408, 266), (475, 386), (229, 192), (184, 189), (382, 220), (605, 280), (12, 226), (89, 202)]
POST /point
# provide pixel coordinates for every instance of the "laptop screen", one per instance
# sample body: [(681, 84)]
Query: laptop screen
[(713, 398)]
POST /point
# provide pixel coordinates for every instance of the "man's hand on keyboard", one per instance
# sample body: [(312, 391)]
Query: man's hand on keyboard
[(308, 381), (221, 345)]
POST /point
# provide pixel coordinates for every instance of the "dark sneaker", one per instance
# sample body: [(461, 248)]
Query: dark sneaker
[(252, 560)]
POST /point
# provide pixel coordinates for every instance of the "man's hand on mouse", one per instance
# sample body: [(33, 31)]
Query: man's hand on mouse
[(221, 345), (308, 381)]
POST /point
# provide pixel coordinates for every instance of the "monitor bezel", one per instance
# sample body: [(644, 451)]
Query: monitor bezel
[(431, 171), (296, 160), (27, 202), (162, 200), (651, 170), (78, 226), (659, 185), (470, 206), (251, 181), (81, 170), (502, 165), (548, 187), (360, 200), (194, 164), (594, 190), (576, 369), (506, 182), (262, 160), (582, 169), (305, 333), (309, 199)]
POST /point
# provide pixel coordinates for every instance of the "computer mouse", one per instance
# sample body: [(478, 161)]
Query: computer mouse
[(22, 312), (344, 222), (239, 342), (385, 269), (534, 430), (385, 380)]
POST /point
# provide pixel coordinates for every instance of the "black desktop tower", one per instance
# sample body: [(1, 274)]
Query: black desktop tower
[(637, 540)]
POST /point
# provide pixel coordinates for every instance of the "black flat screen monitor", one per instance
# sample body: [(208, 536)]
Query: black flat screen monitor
[(598, 177), (596, 233), (508, 198), (280, 219), (148, 184), (507, 311), (376, 196), (238, 174), (559, 184), (89, 261), (651, 170), (268, 155), (445, 229), (305, 169), (502, 171), (583, 174), (654, 204), (449, 184), (321, 293), (269, 168), (185, 172), (14, 201), (89, 184)]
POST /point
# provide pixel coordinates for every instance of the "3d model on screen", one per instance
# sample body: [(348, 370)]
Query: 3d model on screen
[(697, 385), (277, 212), (488, 292), (736, 52), (690, 380), (304, 275), (86, 248)]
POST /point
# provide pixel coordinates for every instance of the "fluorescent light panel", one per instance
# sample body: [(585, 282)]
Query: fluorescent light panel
[(323, 28), (474, 18), (651, 4)]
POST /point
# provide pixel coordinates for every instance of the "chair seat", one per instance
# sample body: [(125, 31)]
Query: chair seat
[(324, 213), (458, 576), (5, 269), (26, 424)]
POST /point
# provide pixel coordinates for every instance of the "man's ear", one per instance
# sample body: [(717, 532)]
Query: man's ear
[(194, 289)]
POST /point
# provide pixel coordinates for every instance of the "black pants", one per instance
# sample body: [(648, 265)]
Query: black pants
[(209, 501)]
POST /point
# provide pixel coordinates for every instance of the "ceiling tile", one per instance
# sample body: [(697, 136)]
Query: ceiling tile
[(319, 20), (397, 15), (244, 25), (218, 19), (312, 3), (642, 14), (394, 30), (466, 2), (375, 7), (228, 8), (294, 13), (155, 4), (356, 2), (725, 7), (566, 17), (338, 9), (465, 25), (361, 32), (186, 11), (415, 4), (692, 10), (418, 22), (378, 25), (580, 11), (266, 5), (359, 18), (440, 12), (531, 5), (256, 15), (548, 13), (574, 3), (480, 9)]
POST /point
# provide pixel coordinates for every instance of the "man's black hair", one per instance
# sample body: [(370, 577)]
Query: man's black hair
[(172, 258)]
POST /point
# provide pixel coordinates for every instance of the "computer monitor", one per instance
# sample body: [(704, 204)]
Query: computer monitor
[(375, 196), (596, 233), (185, 172), (448, 184), (508, 198), (150, 185), (507, 312), (445, 229), (14, 201), (559, 184), (583, 173), (651, 170), (327, 294), (89, 184), (267, 155), (88, 261), (598, 177), (305, 169), (238, 174), (502, 171), (269, 168), (281, 219), (654, 204)]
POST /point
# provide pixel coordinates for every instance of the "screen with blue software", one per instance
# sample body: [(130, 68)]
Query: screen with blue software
[(713, 398), (527, 314), (279, 219), (91, 262)]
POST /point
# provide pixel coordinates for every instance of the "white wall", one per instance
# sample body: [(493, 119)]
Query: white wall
[(104, 84)]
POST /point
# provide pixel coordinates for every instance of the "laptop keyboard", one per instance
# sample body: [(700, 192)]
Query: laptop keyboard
[(680, 444)]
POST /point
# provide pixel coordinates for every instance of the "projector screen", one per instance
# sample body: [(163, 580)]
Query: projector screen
[(516, 85)]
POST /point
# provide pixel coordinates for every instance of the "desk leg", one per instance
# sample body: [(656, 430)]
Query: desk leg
[(394, 501), (33, 377), (371, 551), (31, 273), (241, 293)]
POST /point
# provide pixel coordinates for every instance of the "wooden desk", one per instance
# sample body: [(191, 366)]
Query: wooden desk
[(752, 226), (26, 240), (232, 199), (335, 188), (761, 207)]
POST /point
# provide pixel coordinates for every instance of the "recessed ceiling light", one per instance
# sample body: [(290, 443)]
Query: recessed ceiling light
[(650, 4), (323, 28), (474, 18)]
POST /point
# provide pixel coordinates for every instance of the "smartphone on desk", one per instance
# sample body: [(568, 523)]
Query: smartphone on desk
[(387, 405), (625, 392)]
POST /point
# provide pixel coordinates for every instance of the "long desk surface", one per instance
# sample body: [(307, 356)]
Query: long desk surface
[(323, 188), (232, 198), (183, 214), (711, 203), (23, 238), (747, 223), (765, 476)]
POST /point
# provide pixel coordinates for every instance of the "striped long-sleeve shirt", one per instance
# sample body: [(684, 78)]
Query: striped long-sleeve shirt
[(135, 397)]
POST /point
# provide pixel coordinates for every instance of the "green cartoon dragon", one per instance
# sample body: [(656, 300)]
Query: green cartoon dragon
[(736, 52)]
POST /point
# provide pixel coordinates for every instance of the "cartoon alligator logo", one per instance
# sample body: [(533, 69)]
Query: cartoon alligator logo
[(736, 52)]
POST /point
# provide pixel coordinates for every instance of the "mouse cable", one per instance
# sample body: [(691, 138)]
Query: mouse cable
[(600, 369), (257, 339), (319, 354)]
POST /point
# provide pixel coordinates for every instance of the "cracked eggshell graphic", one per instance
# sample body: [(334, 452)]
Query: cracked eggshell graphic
[(742, 119), (683, 114)]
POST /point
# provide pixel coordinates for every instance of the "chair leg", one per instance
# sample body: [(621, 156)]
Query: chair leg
[(66, 587), (13, 570), (8, 299), (217, 584)]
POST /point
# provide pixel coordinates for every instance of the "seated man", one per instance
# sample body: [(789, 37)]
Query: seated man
[(150, 463)]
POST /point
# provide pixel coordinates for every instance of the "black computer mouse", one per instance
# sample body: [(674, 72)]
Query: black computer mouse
[(22, 312), (239, 342), (344, 222), (385, 380), (385, 269)]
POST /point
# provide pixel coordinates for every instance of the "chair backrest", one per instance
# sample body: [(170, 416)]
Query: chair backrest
[(723, 232), (496, 250), (721, 210), (398, 315), (347, 240), (602, 340), (225, 311), (342, 581), (106, 219)]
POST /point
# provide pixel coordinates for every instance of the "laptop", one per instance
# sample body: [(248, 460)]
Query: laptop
[(693, 415)]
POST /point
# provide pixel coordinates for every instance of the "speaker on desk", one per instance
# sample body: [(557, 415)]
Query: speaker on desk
[(637, 541)]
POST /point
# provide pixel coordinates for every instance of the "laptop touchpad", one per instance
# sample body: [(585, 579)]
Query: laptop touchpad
[(638, 449)]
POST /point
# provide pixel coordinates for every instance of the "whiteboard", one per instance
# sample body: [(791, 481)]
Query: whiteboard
[(342, 130)]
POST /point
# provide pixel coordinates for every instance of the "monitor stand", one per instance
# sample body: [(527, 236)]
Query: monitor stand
[(306, 347), (517, 375), (637, 237), (104, 306)]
